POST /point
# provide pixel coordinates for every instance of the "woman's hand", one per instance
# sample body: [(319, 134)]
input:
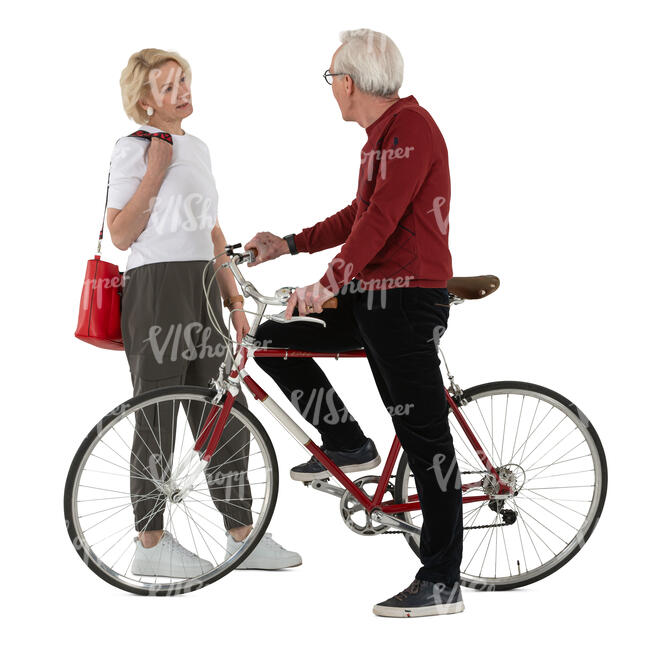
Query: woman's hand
[(240, 321), (160, 157)]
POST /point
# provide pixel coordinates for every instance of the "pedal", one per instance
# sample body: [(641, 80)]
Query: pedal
[(321, 484), (308, 483)]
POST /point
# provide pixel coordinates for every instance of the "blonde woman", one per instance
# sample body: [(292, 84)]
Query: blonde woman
[(162, 205)]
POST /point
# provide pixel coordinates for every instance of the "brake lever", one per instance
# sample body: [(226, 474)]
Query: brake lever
[(279, 318)]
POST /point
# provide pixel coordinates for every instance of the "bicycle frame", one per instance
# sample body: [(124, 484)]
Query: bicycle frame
[(218, 415), (215, 423)]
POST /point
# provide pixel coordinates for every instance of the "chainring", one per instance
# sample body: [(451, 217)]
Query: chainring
[(355, 516)]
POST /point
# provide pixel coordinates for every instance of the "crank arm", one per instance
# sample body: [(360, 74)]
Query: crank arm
[(388, 520)]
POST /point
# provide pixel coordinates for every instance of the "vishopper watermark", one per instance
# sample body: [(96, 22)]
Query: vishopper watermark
[(159, 85), (375, 288), (224, 486), (373, 36), (438, 331), (232, 486), (119, 411), (381, 156), (445, 469), (397, 410), (189, 341), (321, 403), (99, 288), (442, 221), (183, 212)]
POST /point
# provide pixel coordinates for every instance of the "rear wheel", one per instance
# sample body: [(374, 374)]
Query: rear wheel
[(550, 453), (238, 487)]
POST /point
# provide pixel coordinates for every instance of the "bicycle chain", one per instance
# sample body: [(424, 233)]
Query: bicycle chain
[(400, 532), (486, 526)]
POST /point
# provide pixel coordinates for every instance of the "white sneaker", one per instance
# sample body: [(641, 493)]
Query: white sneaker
[(167, 559), (266, 555)]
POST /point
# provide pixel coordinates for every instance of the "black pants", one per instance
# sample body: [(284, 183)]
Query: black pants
[(399, 329)]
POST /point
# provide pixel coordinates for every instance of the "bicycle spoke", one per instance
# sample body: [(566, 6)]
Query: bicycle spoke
[(543, 440), (472, 453), (539, 505), (541, 449), (111, 486)]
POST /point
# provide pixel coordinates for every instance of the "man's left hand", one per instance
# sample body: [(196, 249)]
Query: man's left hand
[(309, 300)]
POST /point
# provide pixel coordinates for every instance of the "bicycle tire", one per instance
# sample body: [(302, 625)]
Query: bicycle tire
[(403, 473), (69, 506)]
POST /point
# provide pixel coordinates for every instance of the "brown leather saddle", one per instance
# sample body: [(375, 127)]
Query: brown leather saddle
[(473, 287), (468, 288)]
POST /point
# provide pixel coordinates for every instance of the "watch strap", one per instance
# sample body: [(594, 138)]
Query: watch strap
[(290, 239)]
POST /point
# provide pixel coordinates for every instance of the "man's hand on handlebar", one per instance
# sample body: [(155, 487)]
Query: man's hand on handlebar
[(309, 300), (268, 245)]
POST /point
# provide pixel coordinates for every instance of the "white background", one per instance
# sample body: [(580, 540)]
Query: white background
[(544, 107)]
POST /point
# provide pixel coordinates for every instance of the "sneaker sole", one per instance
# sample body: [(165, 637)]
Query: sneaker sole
[(269, 568), (152, 573), (348, 469), (414, 612)]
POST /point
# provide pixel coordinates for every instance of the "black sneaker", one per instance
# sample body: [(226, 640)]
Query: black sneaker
[(422, 598), (366, 457)]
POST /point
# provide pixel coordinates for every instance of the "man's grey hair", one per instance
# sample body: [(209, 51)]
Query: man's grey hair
[(372, 60)]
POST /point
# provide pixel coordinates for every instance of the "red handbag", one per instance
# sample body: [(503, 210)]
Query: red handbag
[(100, 309)]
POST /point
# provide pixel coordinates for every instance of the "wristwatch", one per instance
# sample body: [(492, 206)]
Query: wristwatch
[(292, 243)]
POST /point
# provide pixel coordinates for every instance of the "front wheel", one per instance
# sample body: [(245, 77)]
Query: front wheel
[(123, 480), (550, 454)]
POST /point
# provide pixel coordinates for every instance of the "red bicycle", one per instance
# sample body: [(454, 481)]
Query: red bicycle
[(535, 471)]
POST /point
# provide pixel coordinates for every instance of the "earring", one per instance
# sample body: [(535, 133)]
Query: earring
[(149, 111)]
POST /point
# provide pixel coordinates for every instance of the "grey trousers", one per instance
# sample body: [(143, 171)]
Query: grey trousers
[(169, 341)]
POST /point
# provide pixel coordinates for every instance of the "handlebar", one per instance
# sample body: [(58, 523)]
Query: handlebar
[(281, 295)]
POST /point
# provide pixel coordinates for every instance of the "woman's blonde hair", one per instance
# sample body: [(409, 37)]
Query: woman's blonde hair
[(134, 80)]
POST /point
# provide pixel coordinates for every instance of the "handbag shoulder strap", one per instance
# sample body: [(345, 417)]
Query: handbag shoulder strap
[(136, 134)]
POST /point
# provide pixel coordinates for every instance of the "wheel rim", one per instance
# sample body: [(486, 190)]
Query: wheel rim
[(538, 442), (102, 506)]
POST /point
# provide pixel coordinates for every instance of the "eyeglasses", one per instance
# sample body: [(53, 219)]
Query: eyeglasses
[(327, 74)]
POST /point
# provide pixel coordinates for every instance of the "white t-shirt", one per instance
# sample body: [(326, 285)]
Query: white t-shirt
[(185, 210)]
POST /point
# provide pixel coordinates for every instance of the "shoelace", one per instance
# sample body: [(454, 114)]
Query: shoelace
[(268, 540), (413, 588), (176, 546)]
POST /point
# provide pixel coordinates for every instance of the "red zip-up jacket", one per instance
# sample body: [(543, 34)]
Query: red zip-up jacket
[(395, 232)]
